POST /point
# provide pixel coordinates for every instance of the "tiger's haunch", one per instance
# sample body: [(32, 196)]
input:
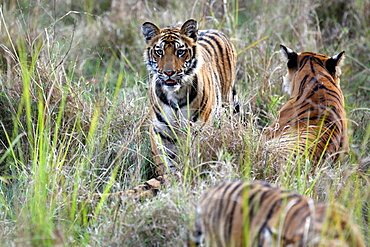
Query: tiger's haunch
[(238, 213), (313, 121)]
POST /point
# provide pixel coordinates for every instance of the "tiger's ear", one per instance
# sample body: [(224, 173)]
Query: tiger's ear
[(149, 31), (190, 29), (291, 56), (333, 62)]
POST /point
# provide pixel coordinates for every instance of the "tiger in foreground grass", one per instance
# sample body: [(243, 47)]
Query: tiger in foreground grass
[(238, 213), (313, 121), (192, 76)]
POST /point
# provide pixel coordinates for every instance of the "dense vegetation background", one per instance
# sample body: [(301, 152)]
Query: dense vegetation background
[(73, 113)]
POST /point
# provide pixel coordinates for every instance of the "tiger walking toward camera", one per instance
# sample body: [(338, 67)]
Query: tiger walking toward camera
[(238, 213), (313, 122), (192, 77)]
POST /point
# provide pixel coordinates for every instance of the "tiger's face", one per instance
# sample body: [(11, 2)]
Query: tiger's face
[(171, 55), (296, 62)]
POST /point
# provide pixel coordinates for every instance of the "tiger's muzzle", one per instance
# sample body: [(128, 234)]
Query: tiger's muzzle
[(170, 78)]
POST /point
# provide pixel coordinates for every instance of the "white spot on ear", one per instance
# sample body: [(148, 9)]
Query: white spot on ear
[(339, 57), (289, 50)]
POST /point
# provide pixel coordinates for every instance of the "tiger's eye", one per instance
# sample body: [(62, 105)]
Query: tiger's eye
[(158, 52), (180, 53)]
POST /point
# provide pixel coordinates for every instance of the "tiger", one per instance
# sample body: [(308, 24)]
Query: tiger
[(312, 123), (192, 76), (240, 213)]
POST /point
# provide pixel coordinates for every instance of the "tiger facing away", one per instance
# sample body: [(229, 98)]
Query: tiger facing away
[(238, 213), (192, 76), (313, 121)]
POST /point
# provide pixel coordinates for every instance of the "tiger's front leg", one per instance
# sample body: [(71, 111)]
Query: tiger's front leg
[(164, 147), (164, 141)]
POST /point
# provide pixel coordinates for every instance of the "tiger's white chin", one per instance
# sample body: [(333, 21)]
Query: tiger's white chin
[(172, 88)]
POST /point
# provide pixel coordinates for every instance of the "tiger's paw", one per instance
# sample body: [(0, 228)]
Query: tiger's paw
[(149, 188)]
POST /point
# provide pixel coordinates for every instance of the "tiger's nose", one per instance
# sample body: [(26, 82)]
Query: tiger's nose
[(169, 72)]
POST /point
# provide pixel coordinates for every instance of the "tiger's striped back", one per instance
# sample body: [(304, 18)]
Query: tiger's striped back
[(216, 49), (313, 121), (238, 213)]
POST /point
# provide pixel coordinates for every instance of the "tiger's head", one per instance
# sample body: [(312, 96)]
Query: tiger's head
[(296, 61), (171, 54)]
